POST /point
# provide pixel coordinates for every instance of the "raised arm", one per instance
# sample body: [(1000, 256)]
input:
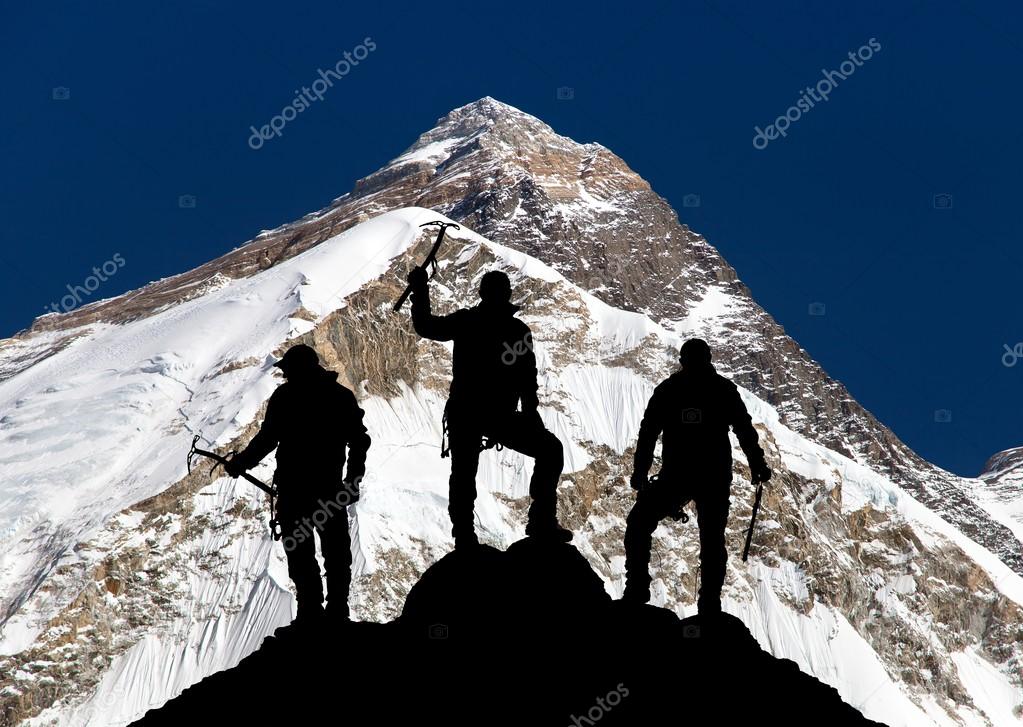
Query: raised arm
[(426, 324)]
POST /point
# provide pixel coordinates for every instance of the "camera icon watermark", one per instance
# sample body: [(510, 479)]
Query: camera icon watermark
[(817, 309), (691, 200), (691, 631), (943, 416), (61, 93), (187, 201), (598, 279), (564, 93), (438, 631), (942, 201), (1012, 355), (692, 416)]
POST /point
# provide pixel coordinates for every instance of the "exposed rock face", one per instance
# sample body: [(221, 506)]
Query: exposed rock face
[(579, 208)]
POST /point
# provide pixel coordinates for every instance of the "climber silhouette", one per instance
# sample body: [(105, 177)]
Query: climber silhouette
[(493, 370), (310, 419), (692, 409)]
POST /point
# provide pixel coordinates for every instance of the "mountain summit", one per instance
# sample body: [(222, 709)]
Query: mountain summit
[(874, 571), (543, 605)]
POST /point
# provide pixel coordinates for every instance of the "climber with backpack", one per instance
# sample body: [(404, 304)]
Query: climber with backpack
[(311, 419), (492, 401), (692, 411)]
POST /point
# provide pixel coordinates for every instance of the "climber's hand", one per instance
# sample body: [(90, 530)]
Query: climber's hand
[(418, 278), (234, 467), (761, 472)]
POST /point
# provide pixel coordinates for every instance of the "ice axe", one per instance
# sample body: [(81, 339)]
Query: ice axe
[(431, 259), (220, 460), (753, 520)]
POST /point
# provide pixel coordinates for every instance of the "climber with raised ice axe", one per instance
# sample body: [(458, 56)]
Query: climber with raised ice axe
[(310, 420), (493, 372), (692, 410)]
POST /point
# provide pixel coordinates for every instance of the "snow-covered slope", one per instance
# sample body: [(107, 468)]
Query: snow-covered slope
[(104, 425), (95, 428), (124, 580), (999, 489)]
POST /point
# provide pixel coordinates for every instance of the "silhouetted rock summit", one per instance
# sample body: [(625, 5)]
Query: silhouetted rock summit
[(527, 636)]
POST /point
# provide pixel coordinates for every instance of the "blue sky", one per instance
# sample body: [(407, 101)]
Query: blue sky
[(919, 299)]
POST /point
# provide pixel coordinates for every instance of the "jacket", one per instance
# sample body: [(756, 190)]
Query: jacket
[(311, 421), (692, 410), (493, 365)]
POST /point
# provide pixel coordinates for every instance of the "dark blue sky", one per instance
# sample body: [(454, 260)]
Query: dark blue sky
[(919, 302)]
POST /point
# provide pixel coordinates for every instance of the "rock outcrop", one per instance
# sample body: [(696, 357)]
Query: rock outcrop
[(526, 636)]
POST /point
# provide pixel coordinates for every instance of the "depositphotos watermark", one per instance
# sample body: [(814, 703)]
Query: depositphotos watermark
[(599, 710), (78, 293), (337, 505), (309, 94), (816, 93), (521, 348), (1012, 354)]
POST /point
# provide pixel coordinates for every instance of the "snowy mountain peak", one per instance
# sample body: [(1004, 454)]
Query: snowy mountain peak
[(1008, 462), (1000, 488), (490, 115), (489, 111), (513, 147)]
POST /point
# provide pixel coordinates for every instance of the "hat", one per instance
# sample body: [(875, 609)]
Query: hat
[(496, 287), (300, 356), (695, 352)]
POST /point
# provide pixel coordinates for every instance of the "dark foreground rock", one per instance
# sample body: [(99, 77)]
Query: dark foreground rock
[(522, 637)]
